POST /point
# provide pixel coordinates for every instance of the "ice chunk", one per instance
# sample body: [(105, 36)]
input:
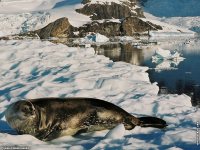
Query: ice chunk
[(97, 38), (116, 133), (162, 54)]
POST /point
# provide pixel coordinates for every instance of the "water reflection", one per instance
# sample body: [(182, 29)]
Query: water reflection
[(183, 79), (196, 96), (121, 52)]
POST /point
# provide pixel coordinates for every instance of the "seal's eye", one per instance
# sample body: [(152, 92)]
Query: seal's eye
[(26, 109)]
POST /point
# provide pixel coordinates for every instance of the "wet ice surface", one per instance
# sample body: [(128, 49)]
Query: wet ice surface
[(33, 69)]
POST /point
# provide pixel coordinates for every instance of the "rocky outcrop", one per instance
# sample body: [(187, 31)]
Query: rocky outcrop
[(132, 25), (110, 11), (58, 28), (108, 29), (128, 21)]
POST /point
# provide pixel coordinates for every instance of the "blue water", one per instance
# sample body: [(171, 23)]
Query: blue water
[(183, 78), (172, 8), (67, 3)]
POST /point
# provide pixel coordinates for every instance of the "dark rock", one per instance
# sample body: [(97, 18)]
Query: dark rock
[(106, 28), (86, 1), (58, 28), (132, 25), (4, 38), (110, 11)]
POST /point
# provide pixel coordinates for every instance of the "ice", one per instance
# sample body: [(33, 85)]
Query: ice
[(161, 54), (92, 38), (169, 33), (96, 38), (50, 70), (166, 60), (34, 69), (116, 133)]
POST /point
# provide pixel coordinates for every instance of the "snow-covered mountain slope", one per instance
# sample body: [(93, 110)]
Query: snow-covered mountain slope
[(192, 23), (37, 14), (168, 28), (188, 23), (19, 6), (22, 22), (33, 69), (181, 13)]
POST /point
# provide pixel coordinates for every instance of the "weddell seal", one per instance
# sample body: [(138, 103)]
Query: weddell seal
[(50, 118)]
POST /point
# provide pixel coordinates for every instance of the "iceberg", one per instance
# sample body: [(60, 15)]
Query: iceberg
[(96, 38), (166, 60), (162, 54)]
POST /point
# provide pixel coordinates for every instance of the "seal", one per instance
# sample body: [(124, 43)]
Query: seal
[(50, 118)]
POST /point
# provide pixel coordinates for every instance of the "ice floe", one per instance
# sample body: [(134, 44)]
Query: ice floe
[(32, 69)]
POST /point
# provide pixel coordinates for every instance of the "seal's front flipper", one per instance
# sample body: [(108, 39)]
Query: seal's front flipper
[(152, 122), (48, 135)]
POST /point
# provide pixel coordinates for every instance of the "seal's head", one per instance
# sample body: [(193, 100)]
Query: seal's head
[(21, 116)]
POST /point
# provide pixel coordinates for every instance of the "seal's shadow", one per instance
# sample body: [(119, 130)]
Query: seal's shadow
[(5, 128)]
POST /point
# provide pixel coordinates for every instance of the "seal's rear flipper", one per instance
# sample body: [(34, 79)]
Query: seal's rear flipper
[(152, 122)]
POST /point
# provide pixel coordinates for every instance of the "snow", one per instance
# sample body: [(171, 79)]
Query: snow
[(19, 6), (97, 38), (116, 133), (20, 16), (168, 30), (179, 26), (192, 23), (33, 69), (68, 9), (23, 22), (92, 38), (108, 1)]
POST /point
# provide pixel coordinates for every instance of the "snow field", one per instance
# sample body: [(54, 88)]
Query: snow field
[(33, 69)]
